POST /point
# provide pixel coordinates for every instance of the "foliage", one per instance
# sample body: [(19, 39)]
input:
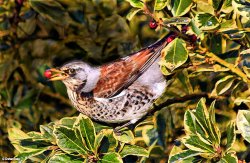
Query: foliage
[(203, 137), (209, 59), (73, 139)]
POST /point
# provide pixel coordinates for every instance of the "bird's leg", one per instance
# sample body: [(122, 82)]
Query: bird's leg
[(117, 130)]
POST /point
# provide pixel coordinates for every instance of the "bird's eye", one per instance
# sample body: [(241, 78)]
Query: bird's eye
[(72, 71)]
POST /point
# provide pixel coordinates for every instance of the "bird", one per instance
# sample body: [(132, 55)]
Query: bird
[(119, 92)]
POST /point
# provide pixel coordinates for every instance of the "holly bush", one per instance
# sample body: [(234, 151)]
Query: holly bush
[(203, 115)]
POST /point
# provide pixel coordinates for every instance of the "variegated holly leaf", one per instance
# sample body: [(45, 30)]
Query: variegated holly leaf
[(160, 4), (180, 7), (174, 54), (136, 3), (133, 150), (132, 13), (243, 123), (63, 157), (229, 158), (223, 85), (206, 21), (179, 155), (241, 7), (111, 157)]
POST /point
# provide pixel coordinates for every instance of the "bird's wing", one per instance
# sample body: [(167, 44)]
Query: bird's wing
[(119, 75)]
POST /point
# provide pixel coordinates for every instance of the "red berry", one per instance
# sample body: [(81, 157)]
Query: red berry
[(47, 74), (193, 38), (153, 24), (184, 29), (20, 2), (170, 38)]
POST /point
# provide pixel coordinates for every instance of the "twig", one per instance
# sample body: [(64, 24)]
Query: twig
[(183, 99), (234, 69)]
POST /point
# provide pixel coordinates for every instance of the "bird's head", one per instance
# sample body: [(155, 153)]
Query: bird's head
[(76, 75)]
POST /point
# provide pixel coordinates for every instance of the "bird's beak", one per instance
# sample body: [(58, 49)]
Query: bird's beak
[(59, 75)]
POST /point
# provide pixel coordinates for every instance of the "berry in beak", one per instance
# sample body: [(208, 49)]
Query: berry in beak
[(58, 74)]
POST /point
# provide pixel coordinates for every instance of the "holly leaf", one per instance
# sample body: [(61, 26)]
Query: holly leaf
[(67, 140), (111, 157), (229, 158), (231, 136), (174, 54), (182, 155), (160, 4), (63, 157), (241, 7), (85, 131), (206, 21), (223, 85), (136, 3), (132, 13), (243, 123), (180, 7), (133, 150)]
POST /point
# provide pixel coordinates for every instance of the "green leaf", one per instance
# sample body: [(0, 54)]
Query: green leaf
[(160, 4), (194, 28), (132, 13), (181, 7), (185, 82), (30, 144), (109, 142), (98, 140), (50, 9), (205, 120), (174, 54), (68, 141), (176, 20), (235, 35), (216, 4), (228, 25), (189, 123), (241, 7), (133, 150), (26, 155), (15, 135), (111, 158), (206, 21), (67, 121), (36, 135), (126, 136), (86, 130), (227, 6), (63, 157), (194, 143), (47, 131), (223, 85), (229, 158), (183, 155), (243, 123), (231, 136), (136, 3), (205, 6)]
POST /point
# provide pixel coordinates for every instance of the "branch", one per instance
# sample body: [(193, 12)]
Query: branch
[(234, 69), (183, 99)]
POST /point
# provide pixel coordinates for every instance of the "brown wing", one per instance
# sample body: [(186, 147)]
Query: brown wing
[(119, 75)]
